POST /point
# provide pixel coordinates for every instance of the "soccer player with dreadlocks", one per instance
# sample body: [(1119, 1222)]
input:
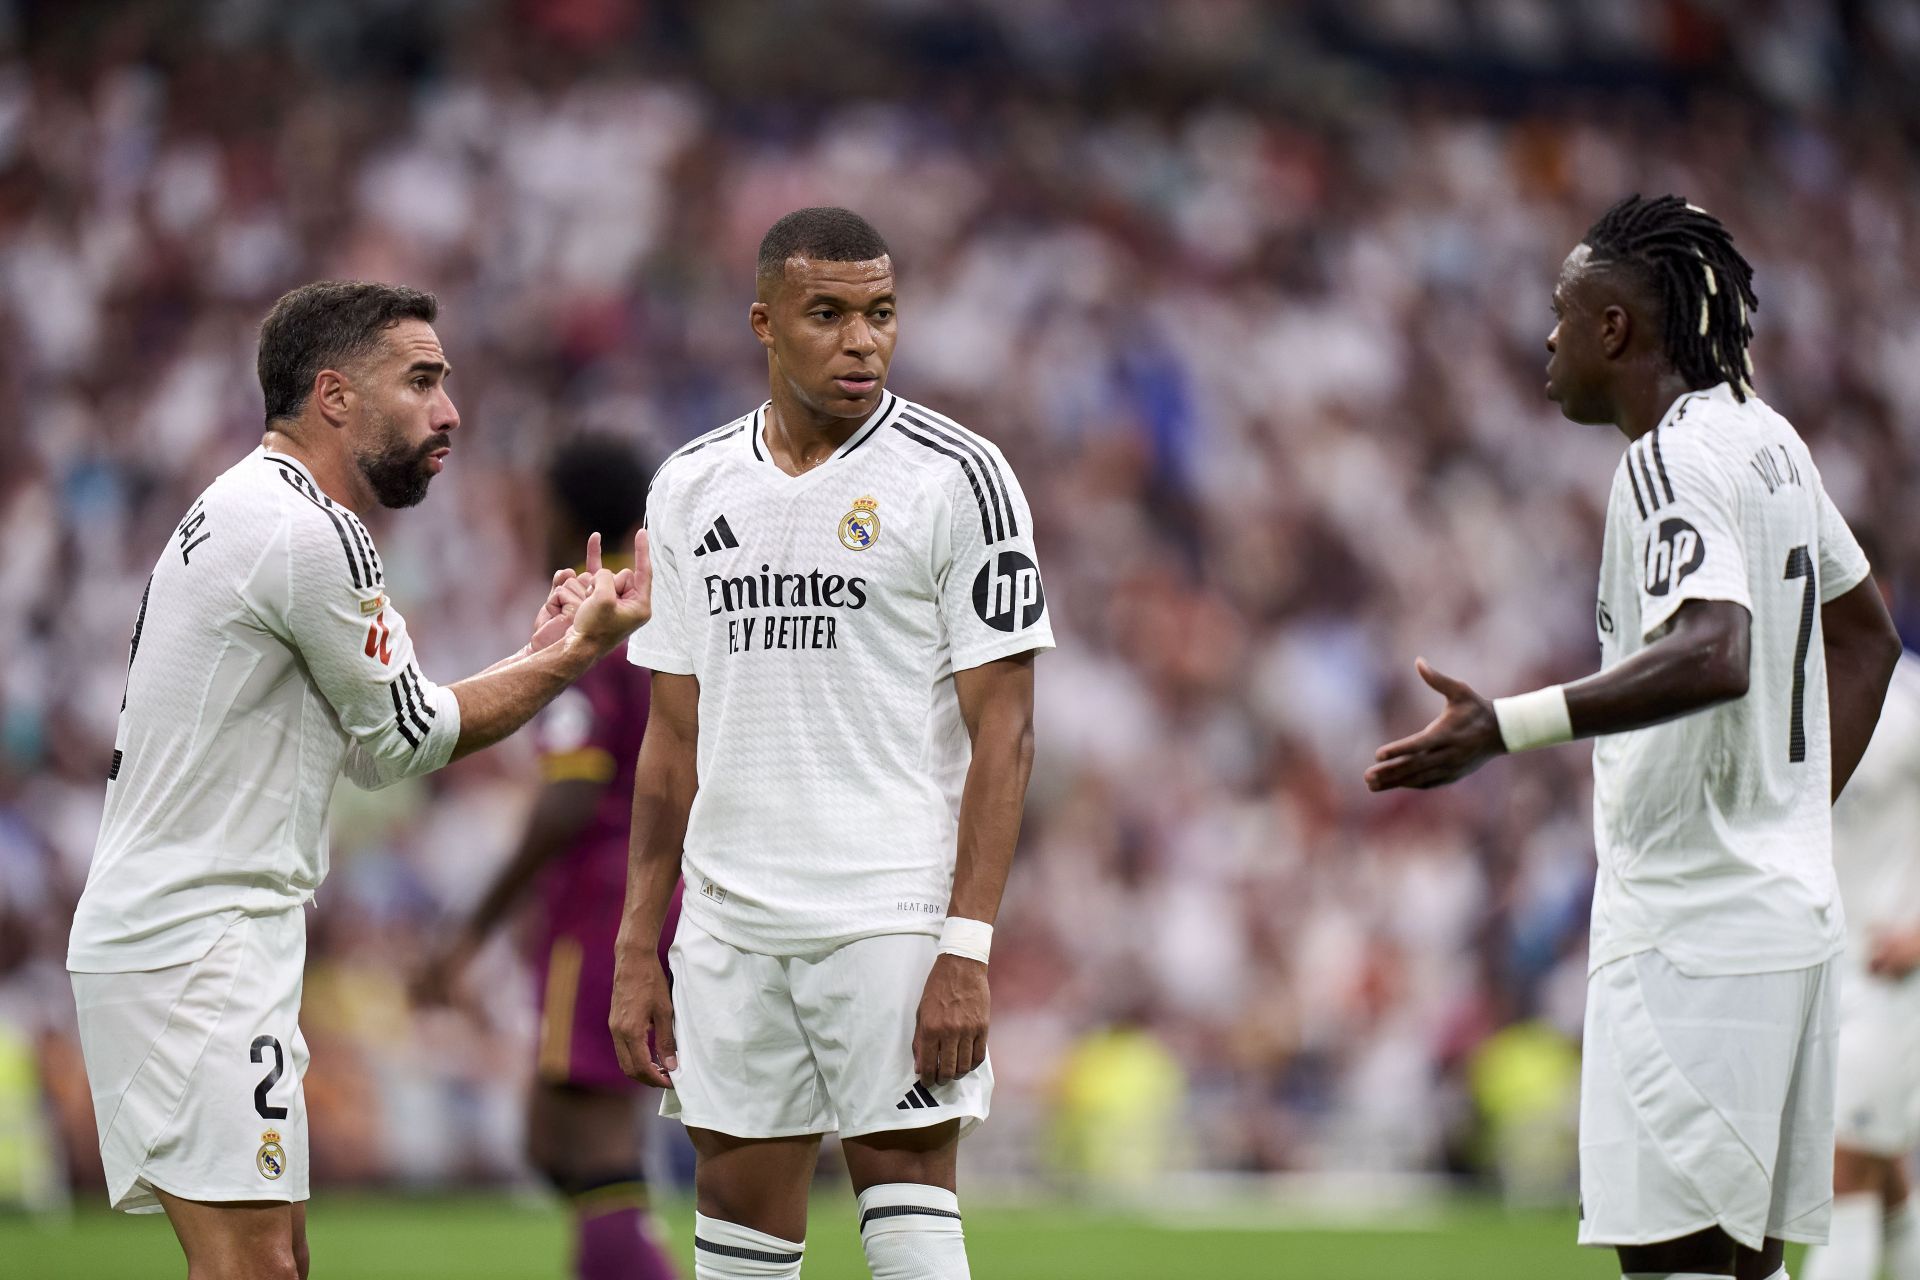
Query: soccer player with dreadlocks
[(1744, 655)]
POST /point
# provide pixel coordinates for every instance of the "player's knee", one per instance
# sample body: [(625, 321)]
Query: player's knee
[(302, 1258), (264, 1262)]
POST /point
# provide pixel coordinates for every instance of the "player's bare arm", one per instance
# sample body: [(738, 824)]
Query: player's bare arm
[(996, 702), (496, 702), (663, 790), (1862, 650), (1700, 662)]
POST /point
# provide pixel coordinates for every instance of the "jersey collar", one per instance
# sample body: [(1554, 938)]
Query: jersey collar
[(286, 460), (1719, 391), (889, 409)]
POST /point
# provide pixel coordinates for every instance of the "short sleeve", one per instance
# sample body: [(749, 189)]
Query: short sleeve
[(327, 598), (992, 596), (1843, 565), (662, 644), (1688, 533)]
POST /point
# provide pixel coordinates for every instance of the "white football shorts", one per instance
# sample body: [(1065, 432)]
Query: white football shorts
[(779, 1046), (196, 1070), (1878, 1109), (1707, 1102)]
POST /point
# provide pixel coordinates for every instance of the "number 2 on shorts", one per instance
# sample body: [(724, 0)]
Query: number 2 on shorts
[(266, 1109)]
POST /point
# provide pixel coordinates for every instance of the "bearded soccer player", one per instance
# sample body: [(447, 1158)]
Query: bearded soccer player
[(1744, 657), (847, 611), (267, 659), (1876, 1225), (584, 1117)]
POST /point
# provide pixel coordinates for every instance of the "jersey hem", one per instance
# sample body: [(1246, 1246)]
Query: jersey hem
[(1837, 592), (1652, 623), (758, 944), (1692, 966), (665, 664), (1009, 650), (143, 957)]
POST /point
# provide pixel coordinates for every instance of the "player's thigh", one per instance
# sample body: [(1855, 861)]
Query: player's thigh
[(1760, 1264), (760, 1183), (928, 1156), (201, 1069), (302, 1255), (575, 1132), (860, 1004), (1687, 1096), (236, 1240), (1709, 1252), (746, 1065)]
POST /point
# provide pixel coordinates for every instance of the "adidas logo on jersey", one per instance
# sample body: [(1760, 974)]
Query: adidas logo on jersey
[(917, 1099), (719, 538)]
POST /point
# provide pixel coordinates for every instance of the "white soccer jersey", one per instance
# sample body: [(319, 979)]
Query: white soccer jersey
[(266, 659), (1876, 822), (825, 615), (1713, 830)]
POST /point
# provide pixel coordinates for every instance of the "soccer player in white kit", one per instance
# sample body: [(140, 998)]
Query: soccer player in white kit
[(266, 660), (1744, 655), (1877, 1116), (847, 609)]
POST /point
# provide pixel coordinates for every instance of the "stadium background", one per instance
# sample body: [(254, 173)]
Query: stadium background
[(1252, 295)]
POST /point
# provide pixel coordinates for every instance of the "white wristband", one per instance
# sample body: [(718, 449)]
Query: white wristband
[(960, 936), (1537, 719)]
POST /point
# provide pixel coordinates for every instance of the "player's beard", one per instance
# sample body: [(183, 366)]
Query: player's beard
[(396, 470)]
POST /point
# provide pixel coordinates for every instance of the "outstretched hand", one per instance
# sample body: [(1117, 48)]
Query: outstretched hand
[(617, 604), (1464, 736), (556, 614)]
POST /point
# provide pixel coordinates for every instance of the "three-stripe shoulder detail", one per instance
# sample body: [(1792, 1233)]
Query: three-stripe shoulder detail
[(363, 562), (698, 443), (1647, 474), (977, 461)]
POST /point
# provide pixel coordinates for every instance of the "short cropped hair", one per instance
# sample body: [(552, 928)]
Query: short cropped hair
[(324, 325), (601, 485), (824, 234)]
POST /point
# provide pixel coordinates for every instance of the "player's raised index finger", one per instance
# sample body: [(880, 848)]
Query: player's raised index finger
[(593, 554)]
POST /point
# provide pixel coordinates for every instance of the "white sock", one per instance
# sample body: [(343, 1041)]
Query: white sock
[(1902, 1234), (729, 1251), (1852, 1251), (912, 1232)]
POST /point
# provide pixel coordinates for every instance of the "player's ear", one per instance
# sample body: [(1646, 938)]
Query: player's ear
[(1616, 328), (760, 316), (334, 395)]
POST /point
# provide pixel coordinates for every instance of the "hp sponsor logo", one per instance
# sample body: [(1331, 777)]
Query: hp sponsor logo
[(1007, 594), (1671, 556)]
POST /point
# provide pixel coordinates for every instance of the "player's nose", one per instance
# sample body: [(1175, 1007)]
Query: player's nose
[(860, 339), (445, 416)]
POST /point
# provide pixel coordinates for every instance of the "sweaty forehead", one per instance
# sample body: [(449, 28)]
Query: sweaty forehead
[(807, 276), (412, 341)]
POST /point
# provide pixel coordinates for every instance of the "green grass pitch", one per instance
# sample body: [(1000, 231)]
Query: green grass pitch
[(494, 1238)]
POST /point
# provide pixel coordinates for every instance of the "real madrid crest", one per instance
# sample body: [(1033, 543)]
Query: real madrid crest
[(860, 527), (272, 1157)]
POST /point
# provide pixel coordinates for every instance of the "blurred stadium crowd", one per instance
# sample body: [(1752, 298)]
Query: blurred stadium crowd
[(1252, 295)]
